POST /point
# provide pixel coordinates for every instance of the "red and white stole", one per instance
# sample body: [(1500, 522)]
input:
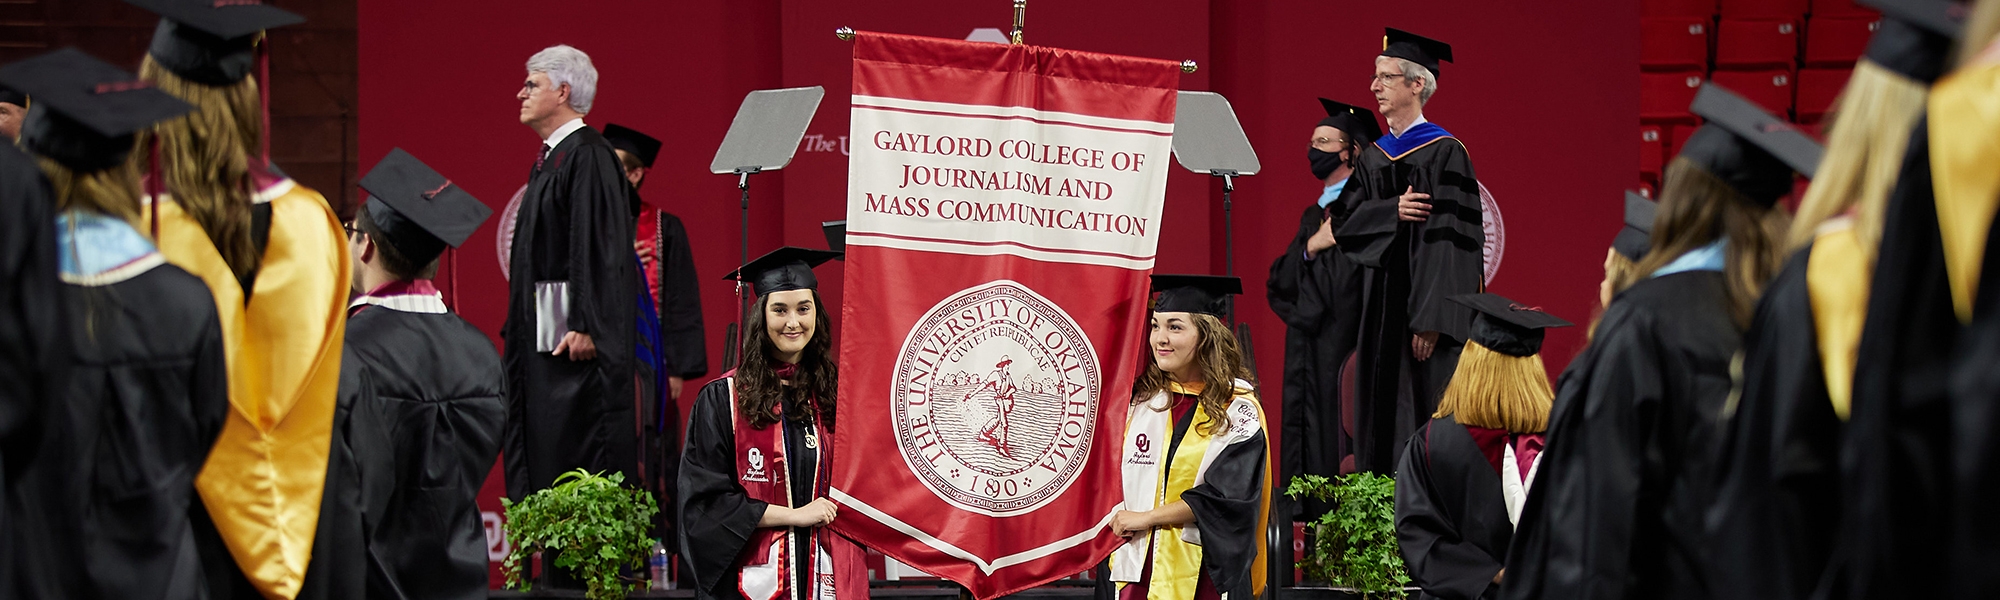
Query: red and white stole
[(839, 571)]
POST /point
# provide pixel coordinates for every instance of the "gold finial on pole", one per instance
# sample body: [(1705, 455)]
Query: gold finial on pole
[(1020, 21), (1188, 66), (846, 34)]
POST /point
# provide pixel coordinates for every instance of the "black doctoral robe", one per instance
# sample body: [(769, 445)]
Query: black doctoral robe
[(145, 399), (1777, 506), (437, 388), (33, 354), (1451, 514), (1625, 479), (716, 516), (575, 225), (1320, 303), (1412, 268), (359, 473)]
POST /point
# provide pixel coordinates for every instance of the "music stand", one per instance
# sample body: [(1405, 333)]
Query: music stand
[(1209, 140), (764, 137)]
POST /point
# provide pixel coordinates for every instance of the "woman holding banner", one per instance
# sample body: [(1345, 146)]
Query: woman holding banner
[(1196, 466), (753, 506)]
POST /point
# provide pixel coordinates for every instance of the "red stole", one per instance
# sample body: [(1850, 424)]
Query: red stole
[(764, 571)]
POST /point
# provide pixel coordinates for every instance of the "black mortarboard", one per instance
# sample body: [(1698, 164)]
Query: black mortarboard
[(1415, 48), (211, 42), (419, 211), (787, 268), (85, 110), (836, 237), (1915, 36), (1358, 122), (1637, 236), (8, 95), (1505, 326), (1205, 294), (1747, 148), (630, 140)]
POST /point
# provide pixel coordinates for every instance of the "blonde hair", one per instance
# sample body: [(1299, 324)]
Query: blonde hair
[(1221, 364), (1696, 208), (1871, 126), (1981, 27), (1622, 273), (112, 192), (205, 159), (1498, 391)]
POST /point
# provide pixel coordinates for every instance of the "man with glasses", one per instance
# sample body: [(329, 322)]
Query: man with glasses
[(1414, 221), (1317, 292), (572, 293)]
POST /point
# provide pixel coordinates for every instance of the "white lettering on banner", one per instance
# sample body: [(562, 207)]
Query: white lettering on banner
[(496, 536), (937, 176), (995, 396)]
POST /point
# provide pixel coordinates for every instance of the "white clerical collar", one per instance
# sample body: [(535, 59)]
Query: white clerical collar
[(1399, 133), (563, 132)]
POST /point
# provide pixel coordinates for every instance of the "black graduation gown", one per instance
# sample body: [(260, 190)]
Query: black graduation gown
[(1412, 268), (1778, 499), (1893, 460), (437, 387), (1616, 511), (1451, 514), (145, 399), (682, 354), (575, 225), (358, 471), (33, 352), (1320, 303), (716, 516), (1974, 386)]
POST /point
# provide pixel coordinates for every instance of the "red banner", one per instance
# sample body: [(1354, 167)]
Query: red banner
[(1003, 213)]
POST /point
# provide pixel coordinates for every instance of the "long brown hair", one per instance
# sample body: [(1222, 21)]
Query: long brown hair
[(1498, 391), (112, 192), (205, 159), (1697, 208), (758, 390), (1220, 363)]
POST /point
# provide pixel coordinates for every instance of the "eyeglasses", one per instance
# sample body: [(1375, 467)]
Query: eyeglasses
[(1384, 78), (351, 230)]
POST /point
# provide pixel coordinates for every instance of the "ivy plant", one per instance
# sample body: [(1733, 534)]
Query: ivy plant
[(594, 524), (1354, 545)]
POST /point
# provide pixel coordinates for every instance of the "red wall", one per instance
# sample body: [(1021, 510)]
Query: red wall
[(1543, 97)]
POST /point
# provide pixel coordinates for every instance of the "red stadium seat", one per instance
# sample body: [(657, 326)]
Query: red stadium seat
[(1664, 97), (1652, 146), (1769, 88), (1680, 135), (1848, 8), (1763, 9), (1673, 42), (1677, 8), (1817, 89), (1837, 40), (1745, 43)]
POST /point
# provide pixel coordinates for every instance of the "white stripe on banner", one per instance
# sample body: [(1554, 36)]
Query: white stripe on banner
[(1043, 116), (985, 566)]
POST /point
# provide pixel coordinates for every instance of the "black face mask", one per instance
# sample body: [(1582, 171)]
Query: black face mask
[(1323, 162)]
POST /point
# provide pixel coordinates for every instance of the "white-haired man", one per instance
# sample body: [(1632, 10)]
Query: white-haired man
[(572, 294), (1414, 222)]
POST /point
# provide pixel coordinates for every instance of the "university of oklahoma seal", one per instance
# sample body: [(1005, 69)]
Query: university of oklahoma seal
[(995, 399)]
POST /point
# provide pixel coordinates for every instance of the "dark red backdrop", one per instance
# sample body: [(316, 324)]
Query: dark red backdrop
[(1543, 97)]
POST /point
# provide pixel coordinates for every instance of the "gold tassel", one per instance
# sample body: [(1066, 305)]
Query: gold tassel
[(1498, 391)]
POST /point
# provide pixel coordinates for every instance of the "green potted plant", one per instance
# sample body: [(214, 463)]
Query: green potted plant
[(1354, 545), (595, 526)]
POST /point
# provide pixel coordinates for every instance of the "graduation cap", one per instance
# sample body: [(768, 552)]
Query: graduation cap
[(1358, 122), (1915, 37), (1637, 236), (630, 140), (1505, 326), (211, 42), (1415, 48), (419, 211), (85, 110), (1204, 294), (784, 269), (836, 237), (1747, 148), (8, 95)]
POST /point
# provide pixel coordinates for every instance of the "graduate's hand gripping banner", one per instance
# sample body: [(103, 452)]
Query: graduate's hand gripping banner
[(1003, 211)]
